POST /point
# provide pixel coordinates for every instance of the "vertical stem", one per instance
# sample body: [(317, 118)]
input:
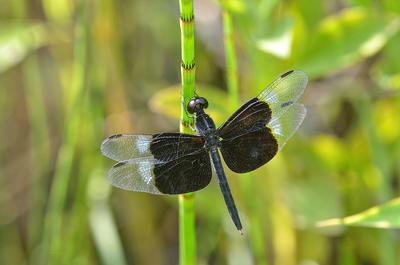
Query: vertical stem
[(39, 134), (257, 241), (230, 57), (187, 229), (188, 64), (53, 224)]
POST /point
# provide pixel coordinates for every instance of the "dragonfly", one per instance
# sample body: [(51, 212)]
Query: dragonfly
[(178, 163)]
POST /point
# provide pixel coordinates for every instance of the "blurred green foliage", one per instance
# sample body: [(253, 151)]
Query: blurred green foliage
[(72, 73)]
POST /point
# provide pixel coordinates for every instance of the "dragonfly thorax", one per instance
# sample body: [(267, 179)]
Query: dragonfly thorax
[(205, 126)]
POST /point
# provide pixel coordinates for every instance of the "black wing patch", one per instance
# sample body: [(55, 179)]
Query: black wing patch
[(241, 155), (185, 174)]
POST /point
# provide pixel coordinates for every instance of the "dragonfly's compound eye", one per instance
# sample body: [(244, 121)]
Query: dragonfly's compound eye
[(197, 103)]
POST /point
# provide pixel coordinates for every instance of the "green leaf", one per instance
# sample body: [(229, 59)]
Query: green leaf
[(17, 40), (236, 6), (345, 39), (384, 216), (279, 42), (386, 71)]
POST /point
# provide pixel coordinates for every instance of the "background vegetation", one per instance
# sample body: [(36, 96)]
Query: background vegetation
[(74, 72)]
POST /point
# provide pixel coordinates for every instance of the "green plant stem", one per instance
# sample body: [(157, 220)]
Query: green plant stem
[(187, 229), (230, 57), (187, 48), (257, 241), (39, 135), (52, 234)]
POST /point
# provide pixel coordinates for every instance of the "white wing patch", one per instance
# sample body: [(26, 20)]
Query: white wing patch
[(134, 175)]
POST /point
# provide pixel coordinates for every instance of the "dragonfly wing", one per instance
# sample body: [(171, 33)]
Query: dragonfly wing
[(165, 163)]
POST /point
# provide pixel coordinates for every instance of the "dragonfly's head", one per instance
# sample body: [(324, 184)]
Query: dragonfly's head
[(197, 103)]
